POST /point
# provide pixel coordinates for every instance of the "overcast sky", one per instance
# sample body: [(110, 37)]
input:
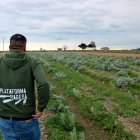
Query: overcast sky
[(54, 23)]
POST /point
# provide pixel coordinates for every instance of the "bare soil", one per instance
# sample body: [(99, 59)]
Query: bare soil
[(131, 125), (42, 126), (110, 54), (92, 130)]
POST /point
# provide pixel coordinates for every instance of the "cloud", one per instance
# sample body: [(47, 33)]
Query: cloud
[(103, 21)]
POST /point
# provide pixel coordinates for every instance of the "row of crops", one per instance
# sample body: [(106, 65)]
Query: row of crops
[(119, 68), (105, 89)]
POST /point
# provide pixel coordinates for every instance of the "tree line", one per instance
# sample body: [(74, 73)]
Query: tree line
[(90, 45)]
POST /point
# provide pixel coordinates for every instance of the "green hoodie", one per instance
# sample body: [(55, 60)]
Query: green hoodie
[(18, 73)]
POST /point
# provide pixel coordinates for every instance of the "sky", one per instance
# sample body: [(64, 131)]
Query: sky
[(52, 24)]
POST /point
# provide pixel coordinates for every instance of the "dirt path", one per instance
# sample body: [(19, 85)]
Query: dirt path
[(92, 130), (119, 55), (42, 126)]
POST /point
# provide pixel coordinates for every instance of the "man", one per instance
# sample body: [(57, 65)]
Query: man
[(19, 113)]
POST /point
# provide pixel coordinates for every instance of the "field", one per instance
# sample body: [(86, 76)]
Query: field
[(124, 55), (94, 96), (97, 95)]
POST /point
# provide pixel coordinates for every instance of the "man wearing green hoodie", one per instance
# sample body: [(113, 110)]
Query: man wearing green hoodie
[(19, 111)]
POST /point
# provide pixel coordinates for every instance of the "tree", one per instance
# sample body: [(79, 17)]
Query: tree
[(105, 48), (65, 47), (83, 46), (92, 45)]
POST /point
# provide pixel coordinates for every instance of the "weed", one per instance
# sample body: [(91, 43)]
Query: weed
[(74, 135), (59, 75)]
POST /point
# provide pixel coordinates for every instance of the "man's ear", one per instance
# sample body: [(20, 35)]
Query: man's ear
[(9, 47), (25, 49)]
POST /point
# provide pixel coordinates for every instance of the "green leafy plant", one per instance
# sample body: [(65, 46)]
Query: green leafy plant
[(124, 82), (65, 121), (59, 75), (75, 92), (82, 136), (91, 103), (76, 65), (122, 73), (58, 106), (120, 64), (137, 62), (108, 66), (74, 135), (137, 79)]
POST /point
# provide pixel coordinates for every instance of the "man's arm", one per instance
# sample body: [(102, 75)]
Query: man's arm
[(43, 90)]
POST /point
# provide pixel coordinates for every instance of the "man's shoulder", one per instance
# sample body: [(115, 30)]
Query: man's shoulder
[(1, 58), (33, 61)]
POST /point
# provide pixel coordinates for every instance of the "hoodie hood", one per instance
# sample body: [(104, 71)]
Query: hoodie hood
[(15, 59)]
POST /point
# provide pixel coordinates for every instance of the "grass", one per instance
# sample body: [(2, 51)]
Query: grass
[(62, 122), (105, 89), (75, 80), (108, 51), (90, 102)]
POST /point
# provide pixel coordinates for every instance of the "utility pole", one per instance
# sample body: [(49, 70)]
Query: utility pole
[(3, 44)]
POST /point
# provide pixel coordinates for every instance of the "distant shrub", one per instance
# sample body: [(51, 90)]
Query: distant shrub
[(75, 64), (124, 82), (122, 73), (137, 62), (59, 75), (59, 58), (120, 64), (107, 66), (137, 79)]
